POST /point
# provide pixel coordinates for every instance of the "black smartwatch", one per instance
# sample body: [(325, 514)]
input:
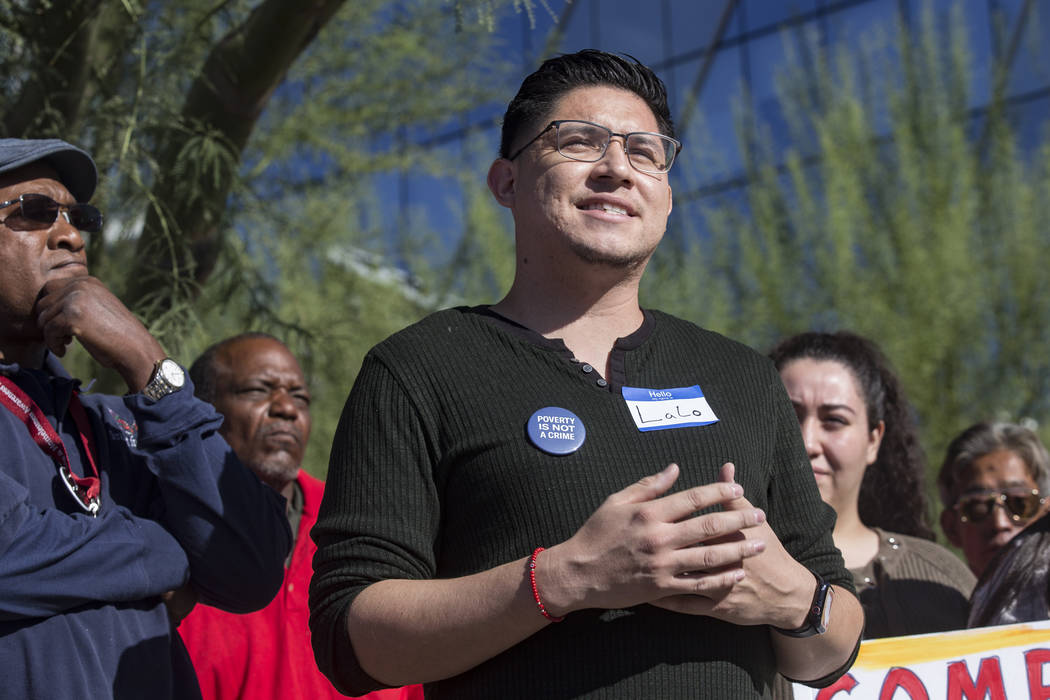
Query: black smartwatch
[(819, 614)]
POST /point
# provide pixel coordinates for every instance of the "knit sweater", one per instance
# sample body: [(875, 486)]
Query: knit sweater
[(912, 586), (433, 475)]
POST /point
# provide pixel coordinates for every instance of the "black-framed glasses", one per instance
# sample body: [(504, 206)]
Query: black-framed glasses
[(41, 210), (1020, 505), (575, 139)]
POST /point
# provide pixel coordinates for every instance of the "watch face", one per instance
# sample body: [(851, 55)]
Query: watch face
[(172, 373), (825, 617)]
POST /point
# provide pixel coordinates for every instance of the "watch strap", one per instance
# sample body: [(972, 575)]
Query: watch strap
[(817, 615), (159, 386)]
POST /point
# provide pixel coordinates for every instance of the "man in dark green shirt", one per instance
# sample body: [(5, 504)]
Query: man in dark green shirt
[(477, 437)]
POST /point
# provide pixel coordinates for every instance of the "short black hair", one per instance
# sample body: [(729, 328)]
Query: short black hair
[(559, 75), (203, 371)]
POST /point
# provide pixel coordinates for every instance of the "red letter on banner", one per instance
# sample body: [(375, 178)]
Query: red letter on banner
[(847, 683), (1033, 661), (903, 678), (989, 681)]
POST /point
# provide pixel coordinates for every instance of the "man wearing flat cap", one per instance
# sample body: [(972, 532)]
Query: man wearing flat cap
[(111, 507)]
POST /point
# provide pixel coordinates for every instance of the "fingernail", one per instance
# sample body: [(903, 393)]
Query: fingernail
[(758, 546), (760, 517), (738, 575), (738, 490)]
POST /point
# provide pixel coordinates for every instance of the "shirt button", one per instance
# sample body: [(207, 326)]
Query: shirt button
[(587, 368), (602, 382)]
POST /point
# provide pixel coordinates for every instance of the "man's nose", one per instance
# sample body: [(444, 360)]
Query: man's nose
[(284, 405), (63, 234), (615, 160), (1000, 517)]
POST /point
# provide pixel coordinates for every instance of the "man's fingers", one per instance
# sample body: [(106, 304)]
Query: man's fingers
[(649, 487), (712, 528), (728, 472), (699, 560), (684, 504)]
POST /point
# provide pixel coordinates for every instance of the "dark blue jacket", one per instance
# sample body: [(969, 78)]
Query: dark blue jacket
[(80, 596)]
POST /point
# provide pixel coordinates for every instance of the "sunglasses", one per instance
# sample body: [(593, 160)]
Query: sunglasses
[(41, 209), (1021, 507)]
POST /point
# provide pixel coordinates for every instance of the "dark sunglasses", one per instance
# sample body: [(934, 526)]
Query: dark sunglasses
[(41, 209), (1021, 507)]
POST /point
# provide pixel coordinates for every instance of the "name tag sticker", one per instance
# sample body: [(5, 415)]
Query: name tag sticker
[(661, 409), (556, 431)]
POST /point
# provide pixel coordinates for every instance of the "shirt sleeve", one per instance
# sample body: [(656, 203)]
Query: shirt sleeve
[(798, 515), (800, 518), (379, 517), (232, 527), (51, 561)]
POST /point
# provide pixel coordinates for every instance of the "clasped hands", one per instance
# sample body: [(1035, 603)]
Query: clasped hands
[(642, 546)]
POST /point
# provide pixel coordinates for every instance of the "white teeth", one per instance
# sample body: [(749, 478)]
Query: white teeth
[(609, 208)]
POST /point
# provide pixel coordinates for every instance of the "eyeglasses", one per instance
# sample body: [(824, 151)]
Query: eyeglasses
[(1019, 506), (587, 142), (41, 209)]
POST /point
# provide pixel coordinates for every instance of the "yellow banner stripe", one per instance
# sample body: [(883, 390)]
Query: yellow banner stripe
[(910, 651)]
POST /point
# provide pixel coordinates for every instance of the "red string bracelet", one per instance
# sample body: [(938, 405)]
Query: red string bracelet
[(536, 591)]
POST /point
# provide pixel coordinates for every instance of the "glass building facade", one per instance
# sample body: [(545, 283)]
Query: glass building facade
[(720, 60)]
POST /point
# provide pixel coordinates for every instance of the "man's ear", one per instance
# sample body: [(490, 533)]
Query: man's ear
[(950, 525), (501, 181)]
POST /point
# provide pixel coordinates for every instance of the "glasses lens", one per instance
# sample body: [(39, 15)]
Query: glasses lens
[(977, 508), (86, 218), (652, 153), (1021, 507), (39, 208), (582, 141)]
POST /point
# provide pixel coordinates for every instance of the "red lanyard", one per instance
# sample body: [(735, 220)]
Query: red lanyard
[(86, 490)]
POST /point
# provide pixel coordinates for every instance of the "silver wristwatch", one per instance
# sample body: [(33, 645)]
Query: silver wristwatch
[(167, 378)]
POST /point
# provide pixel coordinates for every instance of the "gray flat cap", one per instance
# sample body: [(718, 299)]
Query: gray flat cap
[(75, 168)]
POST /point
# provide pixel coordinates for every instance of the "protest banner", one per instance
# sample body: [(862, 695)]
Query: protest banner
[(1011, 662)]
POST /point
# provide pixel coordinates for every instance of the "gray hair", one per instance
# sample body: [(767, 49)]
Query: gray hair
[(984, 438)]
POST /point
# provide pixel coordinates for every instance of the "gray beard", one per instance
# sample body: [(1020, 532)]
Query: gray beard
[(275, 473)]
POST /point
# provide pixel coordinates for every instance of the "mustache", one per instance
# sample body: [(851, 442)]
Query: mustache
[(282, 429)]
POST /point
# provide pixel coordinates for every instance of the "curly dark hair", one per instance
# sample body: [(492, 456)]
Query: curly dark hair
[(892, 492)]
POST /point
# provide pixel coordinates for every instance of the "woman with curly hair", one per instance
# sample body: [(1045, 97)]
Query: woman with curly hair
[(869, 466)]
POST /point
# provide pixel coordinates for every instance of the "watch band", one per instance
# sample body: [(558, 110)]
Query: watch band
[(819, 613), (168, 377)]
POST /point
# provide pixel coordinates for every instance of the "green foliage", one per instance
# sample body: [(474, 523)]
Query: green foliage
[(898, 214), (280, 228)]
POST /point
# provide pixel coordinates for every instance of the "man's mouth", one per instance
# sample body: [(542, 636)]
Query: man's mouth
[(283, 436), (606, 207), (65, 264)]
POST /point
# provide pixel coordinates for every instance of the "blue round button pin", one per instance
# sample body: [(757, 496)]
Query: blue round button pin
[(556, 431)]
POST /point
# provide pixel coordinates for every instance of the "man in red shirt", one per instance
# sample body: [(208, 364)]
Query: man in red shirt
[(257, 385)]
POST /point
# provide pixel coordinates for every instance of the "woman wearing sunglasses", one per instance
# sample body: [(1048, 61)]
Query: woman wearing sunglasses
[(993, 483), (860, 438)]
